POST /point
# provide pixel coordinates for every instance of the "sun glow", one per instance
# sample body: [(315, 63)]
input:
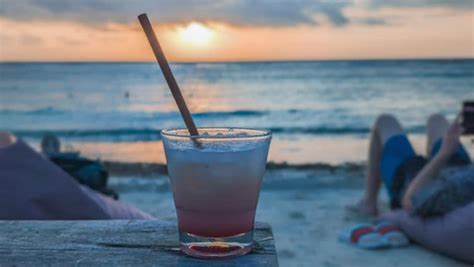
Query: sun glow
[(196, 33)]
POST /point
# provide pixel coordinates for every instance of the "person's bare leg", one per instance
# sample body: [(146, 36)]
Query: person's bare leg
[(368, 203), (388, 126), (385, 127), (373, 179), (436, 127)]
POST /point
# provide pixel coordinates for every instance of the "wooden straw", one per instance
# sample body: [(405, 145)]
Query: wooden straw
[(165, 68)]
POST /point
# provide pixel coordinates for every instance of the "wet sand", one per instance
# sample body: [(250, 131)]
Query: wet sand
[(324, 149)]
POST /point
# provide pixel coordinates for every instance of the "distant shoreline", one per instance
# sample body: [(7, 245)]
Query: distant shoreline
[(246, 61)]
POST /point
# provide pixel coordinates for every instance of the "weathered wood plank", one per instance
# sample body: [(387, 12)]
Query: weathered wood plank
[(112, 243)]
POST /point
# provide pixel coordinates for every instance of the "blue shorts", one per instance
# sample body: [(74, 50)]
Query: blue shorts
[(398, 150)]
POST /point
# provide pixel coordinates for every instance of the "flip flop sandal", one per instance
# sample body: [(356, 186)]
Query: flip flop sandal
[(363, 236), (392, 235)]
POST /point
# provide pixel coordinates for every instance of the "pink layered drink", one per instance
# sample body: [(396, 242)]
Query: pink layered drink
[(216, 181), (216, 192)]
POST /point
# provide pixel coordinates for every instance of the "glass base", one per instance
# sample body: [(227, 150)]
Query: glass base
[(216, 247)]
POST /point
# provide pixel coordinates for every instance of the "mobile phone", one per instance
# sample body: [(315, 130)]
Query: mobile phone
[(468, 117)]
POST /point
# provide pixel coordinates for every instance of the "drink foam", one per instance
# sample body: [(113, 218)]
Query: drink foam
[(223, 142)]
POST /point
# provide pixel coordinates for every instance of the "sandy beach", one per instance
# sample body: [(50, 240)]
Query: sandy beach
[(304, 205)]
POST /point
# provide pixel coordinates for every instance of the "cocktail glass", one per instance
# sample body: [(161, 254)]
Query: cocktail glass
[(215, 178)]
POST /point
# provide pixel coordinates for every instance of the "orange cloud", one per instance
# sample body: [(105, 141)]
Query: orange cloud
[(410, 33)]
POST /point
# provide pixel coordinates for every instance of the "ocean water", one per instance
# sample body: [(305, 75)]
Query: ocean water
[(306, 105)]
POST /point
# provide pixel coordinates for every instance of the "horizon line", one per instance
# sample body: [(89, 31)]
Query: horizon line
[(230, 61)]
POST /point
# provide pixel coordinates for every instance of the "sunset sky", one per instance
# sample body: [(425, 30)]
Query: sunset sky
[(234, 30)]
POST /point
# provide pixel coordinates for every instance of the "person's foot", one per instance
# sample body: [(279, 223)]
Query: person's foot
[(363, 207)]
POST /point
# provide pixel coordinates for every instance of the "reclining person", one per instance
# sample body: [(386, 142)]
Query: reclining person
[(433, 196), (393, 161), (90, 173), (34, 188)]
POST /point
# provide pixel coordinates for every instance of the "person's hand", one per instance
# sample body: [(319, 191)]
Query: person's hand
[(451, 139)]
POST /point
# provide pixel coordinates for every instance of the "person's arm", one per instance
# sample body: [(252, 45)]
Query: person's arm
[(449, 145)]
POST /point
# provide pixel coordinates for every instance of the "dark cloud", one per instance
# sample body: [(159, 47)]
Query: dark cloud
[(239, 12), (372, 21), (462, 4)]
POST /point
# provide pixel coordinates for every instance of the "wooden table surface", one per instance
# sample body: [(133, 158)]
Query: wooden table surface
[(112, 243)]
